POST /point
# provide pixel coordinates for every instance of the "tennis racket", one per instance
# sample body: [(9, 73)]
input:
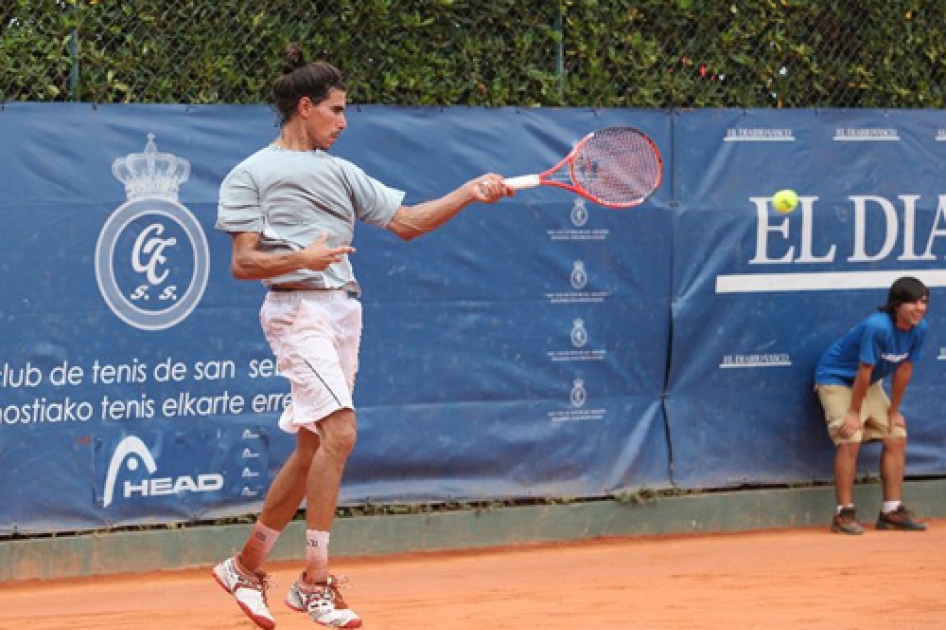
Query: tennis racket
[(615, 167)]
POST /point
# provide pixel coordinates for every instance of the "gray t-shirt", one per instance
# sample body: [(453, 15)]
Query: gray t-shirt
[(290, 198)]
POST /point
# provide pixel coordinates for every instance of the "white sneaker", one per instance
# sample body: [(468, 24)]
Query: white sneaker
[(248, 591), (323, 602)]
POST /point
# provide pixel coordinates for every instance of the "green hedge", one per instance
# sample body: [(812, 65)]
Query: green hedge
[(575, 53)]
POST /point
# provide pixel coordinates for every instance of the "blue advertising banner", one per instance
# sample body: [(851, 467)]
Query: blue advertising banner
[(543, 347), (758, 295), (520, 351)]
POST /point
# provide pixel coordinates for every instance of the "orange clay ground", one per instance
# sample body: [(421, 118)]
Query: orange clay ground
[(806, 578)]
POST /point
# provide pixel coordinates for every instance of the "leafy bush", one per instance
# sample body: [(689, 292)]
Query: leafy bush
[(574, 53)]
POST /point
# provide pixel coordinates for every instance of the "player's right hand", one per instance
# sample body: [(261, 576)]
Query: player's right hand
[(852, 424), (489, 188), (319, 255)]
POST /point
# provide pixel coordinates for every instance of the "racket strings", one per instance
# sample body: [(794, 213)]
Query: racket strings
[(618, 166)]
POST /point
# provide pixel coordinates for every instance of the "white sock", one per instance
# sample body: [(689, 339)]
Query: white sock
[(890, 506), (842, 507), (316, 555)]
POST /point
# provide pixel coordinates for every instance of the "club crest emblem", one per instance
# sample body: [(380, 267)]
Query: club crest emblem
[(152, 257), (579, 395), (579, 335), (579, 213), (579, 277)]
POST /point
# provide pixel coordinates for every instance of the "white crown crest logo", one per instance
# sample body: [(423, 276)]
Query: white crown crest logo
[(151, 174)]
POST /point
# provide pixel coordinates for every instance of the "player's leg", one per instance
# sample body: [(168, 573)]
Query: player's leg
[(287, 324), (337, 434), (893, 513), (288, 488), (845, 472), (316, 590), (242, 575), (836, 400), (892, 464)]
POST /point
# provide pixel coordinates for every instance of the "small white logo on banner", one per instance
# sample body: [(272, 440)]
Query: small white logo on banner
[(579, 334), (579, 277), (579, 395), (579, 213)]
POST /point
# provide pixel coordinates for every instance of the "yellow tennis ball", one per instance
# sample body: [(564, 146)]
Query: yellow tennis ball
[(784, 201)]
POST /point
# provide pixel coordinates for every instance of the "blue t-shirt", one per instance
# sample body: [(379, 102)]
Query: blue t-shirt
[(875, 341)]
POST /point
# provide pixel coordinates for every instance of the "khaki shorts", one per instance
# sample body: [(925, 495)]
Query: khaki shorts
[(315, 336), (875, 413)]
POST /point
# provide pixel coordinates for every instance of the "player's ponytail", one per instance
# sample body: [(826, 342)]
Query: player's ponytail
[(293, 58), (302, 79)]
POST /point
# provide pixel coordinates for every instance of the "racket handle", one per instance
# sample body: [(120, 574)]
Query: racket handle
[(523, 181)]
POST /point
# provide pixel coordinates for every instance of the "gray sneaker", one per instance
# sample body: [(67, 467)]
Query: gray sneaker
[(323, 602), (901, 519), (845, 522), (248, 591)]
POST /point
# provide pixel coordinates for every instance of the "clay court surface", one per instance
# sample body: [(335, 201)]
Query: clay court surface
[(805, 578)]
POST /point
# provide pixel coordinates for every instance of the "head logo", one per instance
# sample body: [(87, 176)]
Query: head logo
[(152, 258), (132, 450), (130, 453)]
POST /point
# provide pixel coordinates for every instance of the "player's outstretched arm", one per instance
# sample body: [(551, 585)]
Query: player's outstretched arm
[(409, 222)]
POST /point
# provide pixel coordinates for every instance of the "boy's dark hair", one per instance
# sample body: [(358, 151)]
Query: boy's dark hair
[(903, 291), (301, 78)]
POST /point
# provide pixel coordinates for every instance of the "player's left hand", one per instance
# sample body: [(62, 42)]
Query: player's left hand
[(896, 420)]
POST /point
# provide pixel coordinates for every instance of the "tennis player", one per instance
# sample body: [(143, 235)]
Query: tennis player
[(849, 381), (291, 209)]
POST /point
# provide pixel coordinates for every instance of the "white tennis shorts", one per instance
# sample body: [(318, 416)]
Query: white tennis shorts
[(315, 336)]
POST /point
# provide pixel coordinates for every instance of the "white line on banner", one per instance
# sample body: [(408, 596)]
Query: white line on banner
[(759, 139), (867, 139), (827, 281), (756, 364)]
